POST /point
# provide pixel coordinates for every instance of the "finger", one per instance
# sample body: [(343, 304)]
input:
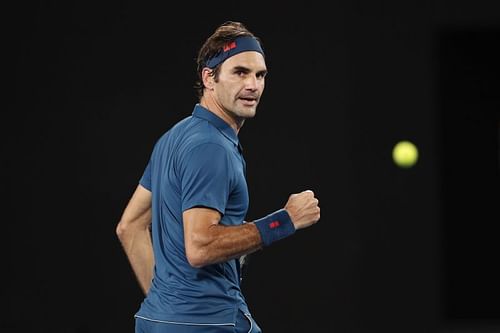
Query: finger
[(308, 191)]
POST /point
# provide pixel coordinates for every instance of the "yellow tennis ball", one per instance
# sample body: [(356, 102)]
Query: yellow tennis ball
[(405, 154)]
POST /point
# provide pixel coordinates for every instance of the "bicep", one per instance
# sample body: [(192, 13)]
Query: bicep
[(197, 226), (138, 210)]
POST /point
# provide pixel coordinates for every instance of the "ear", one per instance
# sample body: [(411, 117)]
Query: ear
[(208, 80)]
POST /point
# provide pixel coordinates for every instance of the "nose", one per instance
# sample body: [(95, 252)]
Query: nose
[(251, 82)]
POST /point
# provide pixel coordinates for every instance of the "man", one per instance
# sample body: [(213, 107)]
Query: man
[(194, 195)]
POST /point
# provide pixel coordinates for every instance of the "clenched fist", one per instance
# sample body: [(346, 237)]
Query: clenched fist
[(303, 209)]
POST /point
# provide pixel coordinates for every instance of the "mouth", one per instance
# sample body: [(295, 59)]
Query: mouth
[(249, 101)]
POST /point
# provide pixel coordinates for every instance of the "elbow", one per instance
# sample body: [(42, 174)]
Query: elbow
[(199, 249), (121, 229), (127, 228), (195, 257)]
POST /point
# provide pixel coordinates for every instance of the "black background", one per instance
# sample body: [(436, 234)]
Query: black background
[(90, 87)]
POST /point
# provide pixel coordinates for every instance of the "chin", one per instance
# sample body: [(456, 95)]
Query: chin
[(247, 113), (250, 114)]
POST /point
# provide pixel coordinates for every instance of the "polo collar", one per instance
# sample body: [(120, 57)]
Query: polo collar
[(203, 113)]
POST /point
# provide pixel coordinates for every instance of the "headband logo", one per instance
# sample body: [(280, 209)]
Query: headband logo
[(229, 46)]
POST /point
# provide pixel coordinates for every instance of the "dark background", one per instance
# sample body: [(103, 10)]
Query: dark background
[(90, 87)]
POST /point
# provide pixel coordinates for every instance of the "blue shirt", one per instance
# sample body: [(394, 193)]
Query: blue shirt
[(197, 163)]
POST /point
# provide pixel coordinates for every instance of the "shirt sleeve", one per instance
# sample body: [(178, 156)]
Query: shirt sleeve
[(145, 180), (205, 177)]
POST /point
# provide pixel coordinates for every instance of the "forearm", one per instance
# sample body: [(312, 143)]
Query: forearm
[(223, 243), (139, 250)]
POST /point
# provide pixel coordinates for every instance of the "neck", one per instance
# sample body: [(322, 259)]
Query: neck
[(213, 106)]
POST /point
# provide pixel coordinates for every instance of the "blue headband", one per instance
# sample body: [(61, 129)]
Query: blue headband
[(240, 44)]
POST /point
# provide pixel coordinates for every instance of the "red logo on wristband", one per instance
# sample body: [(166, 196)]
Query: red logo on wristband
[(274, 224)]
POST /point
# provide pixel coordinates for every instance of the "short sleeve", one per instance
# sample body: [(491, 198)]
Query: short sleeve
[(145, 180), (205, 177)]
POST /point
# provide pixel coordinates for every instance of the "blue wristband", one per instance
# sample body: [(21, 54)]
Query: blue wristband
[(275, 226)]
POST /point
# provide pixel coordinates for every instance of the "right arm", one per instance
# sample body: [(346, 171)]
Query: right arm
[(135, 237), (208, 242)]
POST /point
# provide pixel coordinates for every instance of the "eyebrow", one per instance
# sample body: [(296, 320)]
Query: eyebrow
[(246, 70)]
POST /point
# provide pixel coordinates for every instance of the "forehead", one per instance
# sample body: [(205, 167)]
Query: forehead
[(252, 60)]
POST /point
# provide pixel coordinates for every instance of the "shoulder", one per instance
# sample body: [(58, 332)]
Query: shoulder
[(201, 132), (193, 135)]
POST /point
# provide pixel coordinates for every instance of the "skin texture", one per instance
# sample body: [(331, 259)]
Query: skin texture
[(134, 235), (234, 97)]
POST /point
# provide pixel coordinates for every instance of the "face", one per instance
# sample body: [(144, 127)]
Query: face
[(240, 84)]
